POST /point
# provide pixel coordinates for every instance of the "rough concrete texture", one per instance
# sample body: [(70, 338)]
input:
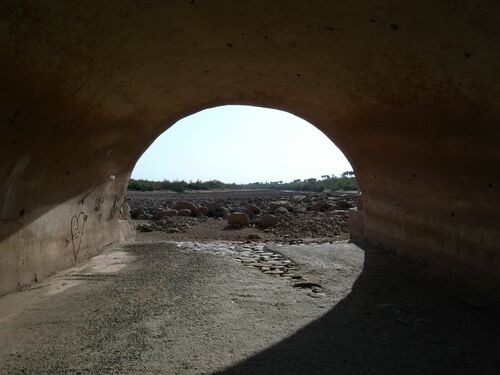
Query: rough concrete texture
[(408, 90), (157, 308)]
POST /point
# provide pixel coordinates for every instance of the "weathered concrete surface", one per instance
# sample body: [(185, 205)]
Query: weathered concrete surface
[(409, 91), (154, 308)]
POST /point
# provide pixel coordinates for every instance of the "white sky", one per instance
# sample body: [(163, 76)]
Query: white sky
[(241, 144)]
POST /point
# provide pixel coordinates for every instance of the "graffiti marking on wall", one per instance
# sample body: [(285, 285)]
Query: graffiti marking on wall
[(77, 227)]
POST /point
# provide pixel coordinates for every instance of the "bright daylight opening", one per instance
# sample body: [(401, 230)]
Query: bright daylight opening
[(242, 172), (248, 146)]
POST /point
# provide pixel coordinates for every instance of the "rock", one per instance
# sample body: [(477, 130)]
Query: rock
[(277, 204), (327, 206), (145, 228), (203, 210), (281, 211), (254, 236), (214, 206), (173, 230), (267, 221), (254, 209), (144, 217), (238, 219), (165, 212), (186, 205), (342, 205), (185, 212), (220, 212), (250, 213), (274, 272), (317, 206), (135, 212), (334, 211)]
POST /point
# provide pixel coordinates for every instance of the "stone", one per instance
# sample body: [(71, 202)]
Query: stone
[(144, 217), (273, 272), (214, 206), (254, 236), (317, 206), (145, 228), (186, 205), (253, 208), (220, 212), (135, 212), (342, 205), (250, 213), (165, 212), (276, 204), (281, 211), (238, 218), (185, 212), (203, 210), (267, 221)]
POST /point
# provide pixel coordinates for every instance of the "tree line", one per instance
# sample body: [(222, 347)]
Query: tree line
[(345, 182)]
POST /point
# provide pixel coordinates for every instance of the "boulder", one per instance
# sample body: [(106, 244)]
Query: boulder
[(254, 236), (317, 206), (165, 212), (238, 219), (281, 211), (267, 221), (327, 206), (214, 206), (250, 213), (173, 230), (253, 208), (277, 204), (135, 212), (145, 228), (220, 212), (185, 212), (342, 205), (203, 210), (144, 217), (188, 206)]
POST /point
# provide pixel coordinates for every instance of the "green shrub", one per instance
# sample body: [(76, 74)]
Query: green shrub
[(347, 181)]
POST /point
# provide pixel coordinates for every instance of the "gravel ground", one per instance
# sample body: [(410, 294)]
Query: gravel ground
[(194, 308), (299, 225)]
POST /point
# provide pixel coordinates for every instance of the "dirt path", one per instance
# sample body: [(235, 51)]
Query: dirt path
[(193, 308)]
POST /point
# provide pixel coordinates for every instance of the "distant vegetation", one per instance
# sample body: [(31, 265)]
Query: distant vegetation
[(347, 181)]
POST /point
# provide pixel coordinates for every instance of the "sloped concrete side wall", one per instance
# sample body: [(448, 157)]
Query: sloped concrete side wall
[(61, 237)]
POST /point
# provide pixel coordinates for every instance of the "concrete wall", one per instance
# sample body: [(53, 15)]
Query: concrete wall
[(408, 90)]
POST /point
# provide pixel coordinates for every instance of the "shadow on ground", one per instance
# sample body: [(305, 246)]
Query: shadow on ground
[(396, 320)]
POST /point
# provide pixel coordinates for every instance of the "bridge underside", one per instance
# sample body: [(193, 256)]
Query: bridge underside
[(409, 92)]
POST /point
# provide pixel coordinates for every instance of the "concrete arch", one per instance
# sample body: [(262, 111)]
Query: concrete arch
[(409, 92)]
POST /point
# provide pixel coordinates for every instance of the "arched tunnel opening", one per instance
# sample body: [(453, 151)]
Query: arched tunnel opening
[(257, 170), (408, 92)]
